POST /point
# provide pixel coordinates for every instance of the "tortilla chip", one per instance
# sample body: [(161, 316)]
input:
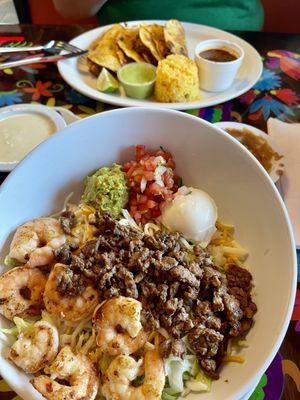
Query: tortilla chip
[(175, 37), (148, 57), (128, 41), (152, 36), (94, 68), (105, 52)]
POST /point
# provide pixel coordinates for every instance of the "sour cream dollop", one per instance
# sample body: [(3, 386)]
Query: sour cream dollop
[(192, 213)]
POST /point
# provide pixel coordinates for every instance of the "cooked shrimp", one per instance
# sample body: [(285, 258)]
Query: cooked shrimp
[(124, 369), (21, 292), (77, 369), (117, 326), (35, 241), (35, 348), (71, 308)]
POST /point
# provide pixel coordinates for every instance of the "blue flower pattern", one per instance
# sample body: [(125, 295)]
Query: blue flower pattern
[(10, 98), (269, 105), (268, 80), (75, 97)]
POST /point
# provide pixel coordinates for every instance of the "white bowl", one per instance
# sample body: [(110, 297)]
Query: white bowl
[(29, 109), (207, 158)]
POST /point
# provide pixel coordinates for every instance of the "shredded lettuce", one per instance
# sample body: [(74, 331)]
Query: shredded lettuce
[(49, 318), (169, 394), (184, 373), (201, 383), (175, 368), (11, 262), (21, 325), (104, 362), (10, 331)]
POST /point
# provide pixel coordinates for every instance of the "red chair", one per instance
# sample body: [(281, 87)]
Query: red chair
[(43, 12)]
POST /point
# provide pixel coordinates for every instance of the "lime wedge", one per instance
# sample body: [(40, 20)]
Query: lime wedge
[(106, 82)]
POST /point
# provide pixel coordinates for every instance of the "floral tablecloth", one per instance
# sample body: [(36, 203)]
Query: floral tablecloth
[(275, 94)]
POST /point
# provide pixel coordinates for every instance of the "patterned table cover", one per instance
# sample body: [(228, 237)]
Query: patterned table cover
[(276, 94)]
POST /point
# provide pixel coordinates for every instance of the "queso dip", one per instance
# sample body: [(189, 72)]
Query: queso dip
[(20, 133)]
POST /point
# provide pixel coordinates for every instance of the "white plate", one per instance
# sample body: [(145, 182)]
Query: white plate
[(277, 165), (76, 74), (67, 115)]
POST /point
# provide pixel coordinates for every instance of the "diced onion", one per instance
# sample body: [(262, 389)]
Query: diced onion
[(149, 346), (188, 246), (150, 228), (163, 332), (128, 220), (143, 184)]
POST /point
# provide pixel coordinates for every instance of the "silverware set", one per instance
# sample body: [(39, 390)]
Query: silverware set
[(51, 53)]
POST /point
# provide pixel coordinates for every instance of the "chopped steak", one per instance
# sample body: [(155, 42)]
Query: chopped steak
[(150, 323), (183, 275), (240, 285), (175, 347), (64, 253), (239, 277), (187, 296), (205, 341), (70, 283), (67, 220)]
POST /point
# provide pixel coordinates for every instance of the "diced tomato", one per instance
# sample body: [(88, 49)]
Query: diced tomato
[(151, 203), (140, 151), (137, 178), (133, 209), (133, 201), (155, 213), (155, 189), (143, 207), (171, 163), (146, 194), (142, 199)]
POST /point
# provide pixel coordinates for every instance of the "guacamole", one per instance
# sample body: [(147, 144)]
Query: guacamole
[(107, 190)]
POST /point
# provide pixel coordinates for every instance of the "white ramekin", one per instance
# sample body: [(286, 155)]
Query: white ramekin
[(216, 76)]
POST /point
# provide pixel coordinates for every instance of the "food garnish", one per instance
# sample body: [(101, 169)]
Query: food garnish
[(106, 82), (107, 190), (193, 213), (151, 181)]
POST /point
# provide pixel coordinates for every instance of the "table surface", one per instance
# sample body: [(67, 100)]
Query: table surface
[(274, 95)]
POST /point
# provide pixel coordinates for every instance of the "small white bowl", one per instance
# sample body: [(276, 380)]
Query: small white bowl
[(53, 116), (216, 76)]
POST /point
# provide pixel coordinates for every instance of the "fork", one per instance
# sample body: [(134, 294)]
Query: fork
[(50, 46), (40, 58)]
